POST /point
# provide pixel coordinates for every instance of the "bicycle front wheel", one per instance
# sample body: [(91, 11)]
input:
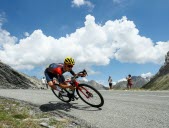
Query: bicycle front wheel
[(90, 95)]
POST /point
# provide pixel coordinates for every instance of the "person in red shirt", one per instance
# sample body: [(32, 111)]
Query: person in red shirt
[(129, 81), (54, 73)]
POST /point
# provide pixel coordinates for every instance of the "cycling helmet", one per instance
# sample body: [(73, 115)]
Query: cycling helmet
[(69, 60)]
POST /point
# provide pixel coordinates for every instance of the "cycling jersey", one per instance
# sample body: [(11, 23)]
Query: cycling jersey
[(55, 70)]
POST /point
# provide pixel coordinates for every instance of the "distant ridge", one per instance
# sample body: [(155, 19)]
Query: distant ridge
[(137, 81), (95, 85)]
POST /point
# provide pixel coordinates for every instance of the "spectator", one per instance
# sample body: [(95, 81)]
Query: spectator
[(110, 82), (44, 82), (129, 81)]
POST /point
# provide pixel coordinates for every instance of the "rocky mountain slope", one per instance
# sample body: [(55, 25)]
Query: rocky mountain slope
[(10, 78), (161, 80)]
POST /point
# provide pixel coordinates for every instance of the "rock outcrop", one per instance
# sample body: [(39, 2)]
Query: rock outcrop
[(10, 78), (161, 80)]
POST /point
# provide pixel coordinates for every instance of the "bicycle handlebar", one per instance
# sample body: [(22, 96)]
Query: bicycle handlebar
[(76, 76), (84, 72)]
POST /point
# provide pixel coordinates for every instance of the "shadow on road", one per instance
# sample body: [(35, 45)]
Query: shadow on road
[(53, 105)]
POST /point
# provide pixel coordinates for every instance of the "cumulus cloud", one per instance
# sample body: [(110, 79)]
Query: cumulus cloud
[(147, 75), (6, 40), (26, 34), (92, 44), (79, 3), (121, 80), (2, 18)]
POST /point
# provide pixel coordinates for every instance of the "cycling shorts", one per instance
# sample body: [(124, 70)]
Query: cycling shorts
[(49, 77)]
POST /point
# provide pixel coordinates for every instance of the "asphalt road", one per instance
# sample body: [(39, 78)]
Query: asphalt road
[(122, 109)]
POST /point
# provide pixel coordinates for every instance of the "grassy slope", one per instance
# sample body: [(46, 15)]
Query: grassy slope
[(159, 83), (14, 114)]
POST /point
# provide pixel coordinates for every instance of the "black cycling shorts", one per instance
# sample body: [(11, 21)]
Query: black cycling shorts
[(49, 77)]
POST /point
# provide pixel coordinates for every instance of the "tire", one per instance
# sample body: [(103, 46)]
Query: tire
[(94, 95), (61, 97)]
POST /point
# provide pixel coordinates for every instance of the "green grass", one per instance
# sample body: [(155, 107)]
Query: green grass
[(161, 83), (14, 114)]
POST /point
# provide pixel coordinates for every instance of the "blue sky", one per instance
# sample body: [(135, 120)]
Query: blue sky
[(106, 37)]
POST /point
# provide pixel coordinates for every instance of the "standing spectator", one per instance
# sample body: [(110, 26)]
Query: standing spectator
[(44, 82), (129, 81), (110, 82)]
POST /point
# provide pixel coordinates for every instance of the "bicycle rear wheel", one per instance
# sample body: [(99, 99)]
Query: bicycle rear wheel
[(90, 95), (64, 98)]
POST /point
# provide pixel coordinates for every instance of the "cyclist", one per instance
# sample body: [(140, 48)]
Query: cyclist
[(54, 73)]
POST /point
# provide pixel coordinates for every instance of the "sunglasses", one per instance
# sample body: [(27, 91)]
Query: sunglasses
[(70, 66)]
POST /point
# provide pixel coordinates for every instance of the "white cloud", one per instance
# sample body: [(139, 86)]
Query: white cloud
[(6, 40), (26, 34), (147, 75), (123, 79), (90, 45), (85, 79), (79, 3), (2, 18)]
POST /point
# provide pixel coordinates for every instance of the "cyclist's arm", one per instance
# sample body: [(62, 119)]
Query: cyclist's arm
[(72, 72), (82, 74)]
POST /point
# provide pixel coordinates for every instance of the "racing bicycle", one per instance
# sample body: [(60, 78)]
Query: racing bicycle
[(87, 93)]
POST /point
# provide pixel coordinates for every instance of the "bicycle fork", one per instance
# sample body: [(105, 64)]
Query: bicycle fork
[(82, 89)]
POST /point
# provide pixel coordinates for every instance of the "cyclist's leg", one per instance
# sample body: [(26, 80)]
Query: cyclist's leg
[(75, 94), (62, 80), (49, 79), (63, 83)]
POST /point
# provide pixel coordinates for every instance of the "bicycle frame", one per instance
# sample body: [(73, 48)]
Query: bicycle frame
[(76, 84), (86, 93)]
